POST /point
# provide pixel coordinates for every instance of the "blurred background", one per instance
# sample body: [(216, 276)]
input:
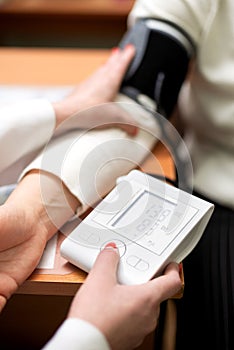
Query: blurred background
[(63, 23)]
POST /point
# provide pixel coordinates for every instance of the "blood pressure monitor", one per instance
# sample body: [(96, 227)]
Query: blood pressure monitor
[(151, 222)]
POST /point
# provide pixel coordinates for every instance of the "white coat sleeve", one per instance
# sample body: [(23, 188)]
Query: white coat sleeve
[(189, 15), (25, 127), (76, 334)]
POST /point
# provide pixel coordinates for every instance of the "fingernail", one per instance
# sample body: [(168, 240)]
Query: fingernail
[(111, 245), (135, 131), (115, 50), (129, 46), (180, 267)]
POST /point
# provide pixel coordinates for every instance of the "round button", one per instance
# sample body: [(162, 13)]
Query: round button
[(120, 245)]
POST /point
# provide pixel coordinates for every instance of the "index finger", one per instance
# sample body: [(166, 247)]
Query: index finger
[(119, 60)]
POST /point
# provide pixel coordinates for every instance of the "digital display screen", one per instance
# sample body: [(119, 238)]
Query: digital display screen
[(147, 209), (151, 221)]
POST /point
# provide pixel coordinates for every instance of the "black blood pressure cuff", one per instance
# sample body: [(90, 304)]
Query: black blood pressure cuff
[(160, 64)]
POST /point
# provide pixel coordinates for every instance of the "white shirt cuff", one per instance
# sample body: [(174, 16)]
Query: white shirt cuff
[(76, 334)]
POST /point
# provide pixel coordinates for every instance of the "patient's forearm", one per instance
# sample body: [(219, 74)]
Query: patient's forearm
[(45, 200)]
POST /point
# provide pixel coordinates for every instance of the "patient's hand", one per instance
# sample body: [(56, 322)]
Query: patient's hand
[(21, 245), (26, 225), (101, 87)]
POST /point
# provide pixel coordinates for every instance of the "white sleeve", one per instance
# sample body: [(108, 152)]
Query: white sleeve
[(89, 163), (190, 15), (25, 127), (76, 334)]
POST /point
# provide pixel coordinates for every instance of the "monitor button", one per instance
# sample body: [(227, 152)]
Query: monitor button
[(137, 263), (142, 265), (133, 260), (91, 238)]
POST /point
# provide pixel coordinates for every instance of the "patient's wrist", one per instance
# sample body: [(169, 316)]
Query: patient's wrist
[(63, 110), (58, 202), (60, 112), (44, 201)]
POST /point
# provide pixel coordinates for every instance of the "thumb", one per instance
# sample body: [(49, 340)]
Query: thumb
[(106, 264)]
